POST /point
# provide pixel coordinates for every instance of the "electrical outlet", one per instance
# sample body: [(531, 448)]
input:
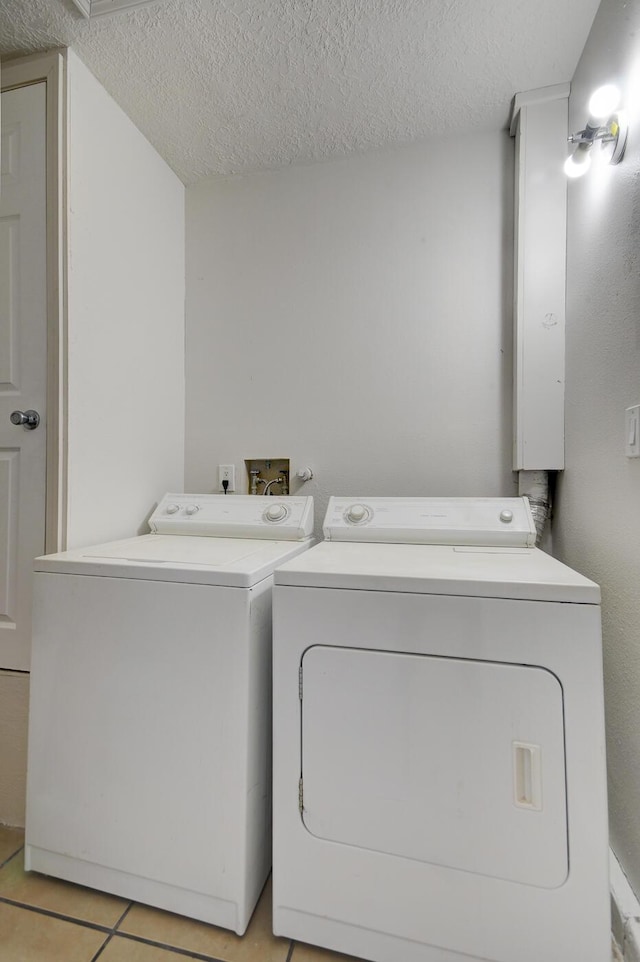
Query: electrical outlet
[(227, 472)]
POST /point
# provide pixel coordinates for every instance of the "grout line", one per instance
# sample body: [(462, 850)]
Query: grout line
[(102, 948), (123, 917), (167, 948), (13, 855), (56, 915), (112, 933)]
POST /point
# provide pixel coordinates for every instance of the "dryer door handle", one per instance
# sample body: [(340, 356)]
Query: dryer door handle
[(527, 776)]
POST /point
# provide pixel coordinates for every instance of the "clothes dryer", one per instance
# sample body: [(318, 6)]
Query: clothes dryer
[(149, 760), (439, 763)]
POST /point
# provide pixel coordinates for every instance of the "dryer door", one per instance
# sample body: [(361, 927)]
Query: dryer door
[(446, 760)]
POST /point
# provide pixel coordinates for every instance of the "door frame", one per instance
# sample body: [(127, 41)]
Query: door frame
[(50, 68)]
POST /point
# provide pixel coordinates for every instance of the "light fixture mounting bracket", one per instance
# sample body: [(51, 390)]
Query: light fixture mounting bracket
[(618, 131)]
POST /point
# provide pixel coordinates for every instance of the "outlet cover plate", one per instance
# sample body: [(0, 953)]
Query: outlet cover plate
[(227, 472)]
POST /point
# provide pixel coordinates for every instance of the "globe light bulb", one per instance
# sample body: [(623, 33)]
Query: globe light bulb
[(604, 102), (578, 163)]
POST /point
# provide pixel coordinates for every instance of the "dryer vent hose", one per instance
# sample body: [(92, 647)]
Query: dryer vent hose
[(540, 511), (534, 485)]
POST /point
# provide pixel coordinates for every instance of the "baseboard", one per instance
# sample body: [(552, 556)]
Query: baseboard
[(625, 913)]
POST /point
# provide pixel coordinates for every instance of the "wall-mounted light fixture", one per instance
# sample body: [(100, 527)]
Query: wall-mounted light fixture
[(607, 126)]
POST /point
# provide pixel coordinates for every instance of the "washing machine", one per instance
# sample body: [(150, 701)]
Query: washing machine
[(439, 759), (149, 756)]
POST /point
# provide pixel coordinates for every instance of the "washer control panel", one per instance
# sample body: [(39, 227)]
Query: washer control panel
[(234, 516), (454, 521)]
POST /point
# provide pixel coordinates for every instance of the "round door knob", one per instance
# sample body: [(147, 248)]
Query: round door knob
[(30, 419), (357, 513), (172, 508), (275, 512), (191, 508), (506, 516)]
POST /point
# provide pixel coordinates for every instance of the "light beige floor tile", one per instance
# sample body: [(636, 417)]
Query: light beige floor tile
[(258, 944), (11, 839), (126, 950), (311, 953), (29, 937), (78, 902)]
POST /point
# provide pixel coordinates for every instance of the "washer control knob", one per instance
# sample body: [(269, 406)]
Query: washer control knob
[(357, 513), (275, 512), (506, 516), (172, 508), (191, 509)]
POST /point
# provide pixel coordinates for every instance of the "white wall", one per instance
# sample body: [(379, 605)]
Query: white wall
[(126, 319), (597, 526), (125, 352), (355, 316)]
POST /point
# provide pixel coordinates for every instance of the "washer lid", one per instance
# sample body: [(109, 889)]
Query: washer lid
[(485, 572), (233, 562)]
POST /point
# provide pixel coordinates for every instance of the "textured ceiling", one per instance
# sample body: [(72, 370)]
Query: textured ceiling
[(223, 86)]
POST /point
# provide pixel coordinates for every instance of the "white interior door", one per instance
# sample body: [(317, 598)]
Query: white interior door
[(23, 361)]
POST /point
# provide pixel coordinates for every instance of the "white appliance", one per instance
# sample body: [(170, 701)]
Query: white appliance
[(149, 764), (439, 762)]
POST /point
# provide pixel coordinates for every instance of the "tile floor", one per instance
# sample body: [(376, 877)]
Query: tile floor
[(47, 920)]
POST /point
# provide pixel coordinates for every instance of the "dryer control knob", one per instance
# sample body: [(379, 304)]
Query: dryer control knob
[(275, 512), (357, 513), (172, 508), (506, 516), (191, 509)]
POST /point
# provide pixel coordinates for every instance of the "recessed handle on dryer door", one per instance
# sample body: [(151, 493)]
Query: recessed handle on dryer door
[(527, 776), (30, 419)]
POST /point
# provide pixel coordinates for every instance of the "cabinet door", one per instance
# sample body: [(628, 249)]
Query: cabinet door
[(540, 280), (446, 760)]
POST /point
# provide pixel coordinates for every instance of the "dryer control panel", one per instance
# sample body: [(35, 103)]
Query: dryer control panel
[(239, 516), (452, 521)]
